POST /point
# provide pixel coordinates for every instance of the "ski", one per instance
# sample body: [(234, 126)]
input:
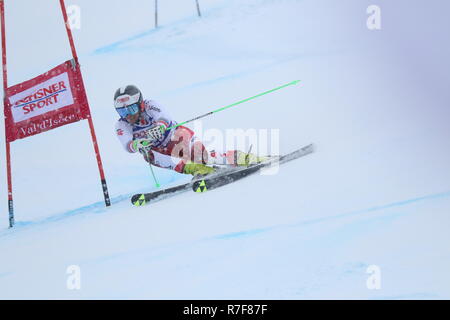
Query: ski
[(217, 179), (214, 182), (141, 199)]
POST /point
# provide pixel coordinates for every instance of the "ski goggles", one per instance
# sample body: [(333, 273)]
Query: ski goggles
[(130, 110)]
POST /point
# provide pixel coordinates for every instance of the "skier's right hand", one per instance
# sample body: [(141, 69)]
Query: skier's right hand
[(142, 145)]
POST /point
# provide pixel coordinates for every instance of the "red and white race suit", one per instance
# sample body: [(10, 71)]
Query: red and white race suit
[(177, 146)]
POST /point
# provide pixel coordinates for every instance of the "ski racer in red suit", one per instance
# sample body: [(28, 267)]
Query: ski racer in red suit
[(146, 128)]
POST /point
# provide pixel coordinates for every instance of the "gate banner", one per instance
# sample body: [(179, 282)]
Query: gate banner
[(50, 100)]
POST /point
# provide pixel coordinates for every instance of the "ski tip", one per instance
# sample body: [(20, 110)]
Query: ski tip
[(138, 200)]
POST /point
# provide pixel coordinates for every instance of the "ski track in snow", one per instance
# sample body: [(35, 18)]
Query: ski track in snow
[(99, 207)]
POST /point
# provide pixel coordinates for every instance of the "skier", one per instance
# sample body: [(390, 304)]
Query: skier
[(146, 128)]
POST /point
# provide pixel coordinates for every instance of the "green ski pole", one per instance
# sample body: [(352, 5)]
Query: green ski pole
[(235, 104)]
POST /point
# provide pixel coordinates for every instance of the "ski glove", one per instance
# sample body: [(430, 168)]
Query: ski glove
[(141, 145), (156, 133)]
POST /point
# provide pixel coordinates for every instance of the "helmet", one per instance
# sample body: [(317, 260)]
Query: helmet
[(127, 100)]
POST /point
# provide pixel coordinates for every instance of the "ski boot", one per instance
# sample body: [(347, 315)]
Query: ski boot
[(197, 169), (246, 159)]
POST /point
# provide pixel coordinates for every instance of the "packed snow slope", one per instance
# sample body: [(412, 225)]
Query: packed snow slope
[(375, 192)]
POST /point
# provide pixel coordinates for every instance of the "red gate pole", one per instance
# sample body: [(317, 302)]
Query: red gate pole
[(5, 86), (89, 117)]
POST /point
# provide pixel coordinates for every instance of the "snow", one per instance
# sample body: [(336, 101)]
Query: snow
[(375, 192)]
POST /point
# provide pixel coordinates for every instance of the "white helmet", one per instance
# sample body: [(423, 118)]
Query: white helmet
[(127, 100)]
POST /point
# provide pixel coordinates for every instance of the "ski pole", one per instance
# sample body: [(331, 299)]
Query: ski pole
[(154, 176), (218, 110), (147, 157), (234, 104)]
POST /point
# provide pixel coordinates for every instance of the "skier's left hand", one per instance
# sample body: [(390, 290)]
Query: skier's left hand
[(156, 133)]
